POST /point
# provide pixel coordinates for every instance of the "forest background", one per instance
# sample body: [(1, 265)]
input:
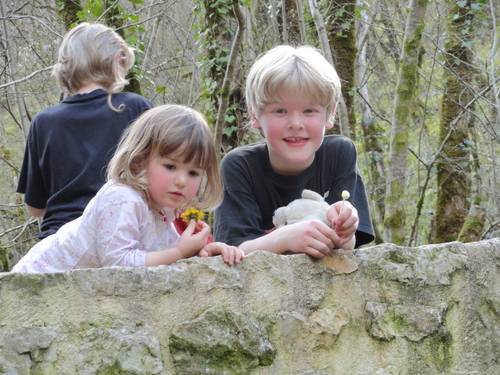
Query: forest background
[(419, 82)]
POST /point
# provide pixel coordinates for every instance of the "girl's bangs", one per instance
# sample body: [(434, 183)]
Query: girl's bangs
[(194, 149)]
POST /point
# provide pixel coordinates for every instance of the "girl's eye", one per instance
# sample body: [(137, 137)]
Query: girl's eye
[(169, 166), (194, 173), (312, 110)]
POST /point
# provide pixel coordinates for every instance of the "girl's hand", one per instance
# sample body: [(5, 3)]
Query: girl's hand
[(230, 254), (344, 223), (193, 239)]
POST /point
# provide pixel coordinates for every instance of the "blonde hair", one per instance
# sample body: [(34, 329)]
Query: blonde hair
[(287, 69), (159, 132), (88, 53)]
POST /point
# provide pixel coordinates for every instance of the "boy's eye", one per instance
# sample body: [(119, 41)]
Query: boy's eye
[(280, 110)]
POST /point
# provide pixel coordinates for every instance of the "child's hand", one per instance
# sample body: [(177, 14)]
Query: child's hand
[(230, 254), (194, 238), (345, 220), (311, 237)]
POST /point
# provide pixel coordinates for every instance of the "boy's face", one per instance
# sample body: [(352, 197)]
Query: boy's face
[(294, 129)]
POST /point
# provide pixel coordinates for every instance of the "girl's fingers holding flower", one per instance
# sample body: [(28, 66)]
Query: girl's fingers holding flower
[(190, 228), (201, 225)]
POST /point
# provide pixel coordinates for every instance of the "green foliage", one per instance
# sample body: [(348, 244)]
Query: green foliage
[(213, 60)]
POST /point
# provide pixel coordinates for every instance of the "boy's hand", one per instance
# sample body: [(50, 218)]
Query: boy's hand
[(194, 238), (345, 220), (310, 237), (230, 254)]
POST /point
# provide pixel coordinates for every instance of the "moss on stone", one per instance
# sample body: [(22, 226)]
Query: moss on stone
[(440, 350)]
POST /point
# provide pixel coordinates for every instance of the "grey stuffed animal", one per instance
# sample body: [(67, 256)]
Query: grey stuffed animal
[(310, 206)]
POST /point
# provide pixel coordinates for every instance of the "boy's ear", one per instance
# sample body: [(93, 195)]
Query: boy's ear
[(331, 119), (255, 121)]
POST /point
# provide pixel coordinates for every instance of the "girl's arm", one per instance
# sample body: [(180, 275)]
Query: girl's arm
[(230, 254), (192, 240)]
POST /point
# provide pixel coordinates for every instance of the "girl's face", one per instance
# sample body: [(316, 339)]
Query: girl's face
[(172, 182), (294, 129)]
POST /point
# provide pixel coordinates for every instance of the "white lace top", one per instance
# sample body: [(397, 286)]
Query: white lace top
[(116, 229)]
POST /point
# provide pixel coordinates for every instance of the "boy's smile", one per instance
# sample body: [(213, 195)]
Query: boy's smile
[(294, 130)]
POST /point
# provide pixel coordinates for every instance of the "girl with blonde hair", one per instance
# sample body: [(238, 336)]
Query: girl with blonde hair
[(166, 161)]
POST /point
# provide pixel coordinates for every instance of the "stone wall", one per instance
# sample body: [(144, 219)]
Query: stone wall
[(381, 310)]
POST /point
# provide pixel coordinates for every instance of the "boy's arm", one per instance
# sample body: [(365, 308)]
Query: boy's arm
[(35, 212), (343, 155), (309, 237)]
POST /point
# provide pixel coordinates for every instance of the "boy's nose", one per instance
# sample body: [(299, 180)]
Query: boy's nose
[(295, 121)]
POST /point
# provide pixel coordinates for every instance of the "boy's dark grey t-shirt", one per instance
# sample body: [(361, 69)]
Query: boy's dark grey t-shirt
[(253, 190)]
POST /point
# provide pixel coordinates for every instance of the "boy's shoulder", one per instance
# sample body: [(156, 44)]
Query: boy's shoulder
[(247, 151), (338, 144), (337, 139)]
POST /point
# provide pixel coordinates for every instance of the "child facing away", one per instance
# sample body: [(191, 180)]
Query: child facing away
[(165, 161), (70, 144), (292, 94)]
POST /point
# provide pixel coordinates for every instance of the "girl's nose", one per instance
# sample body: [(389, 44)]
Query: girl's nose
[(180, 180)]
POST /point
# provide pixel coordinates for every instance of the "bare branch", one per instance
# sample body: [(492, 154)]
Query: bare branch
[(27, 77)]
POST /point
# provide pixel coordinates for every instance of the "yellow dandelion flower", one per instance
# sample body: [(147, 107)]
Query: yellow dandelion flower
[(192, 214)]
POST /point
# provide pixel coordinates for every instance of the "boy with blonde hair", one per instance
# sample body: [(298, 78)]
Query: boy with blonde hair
[(292, 94)]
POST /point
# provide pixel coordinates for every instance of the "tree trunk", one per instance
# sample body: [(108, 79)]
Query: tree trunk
[(474, 225), (342, 38), (453, 167), (373, 150), (9, 55), (325, 45), (291, 22), (230, 75), (395, 214)]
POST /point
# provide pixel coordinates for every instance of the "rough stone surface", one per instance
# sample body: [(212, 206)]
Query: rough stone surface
[(381, 310)]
